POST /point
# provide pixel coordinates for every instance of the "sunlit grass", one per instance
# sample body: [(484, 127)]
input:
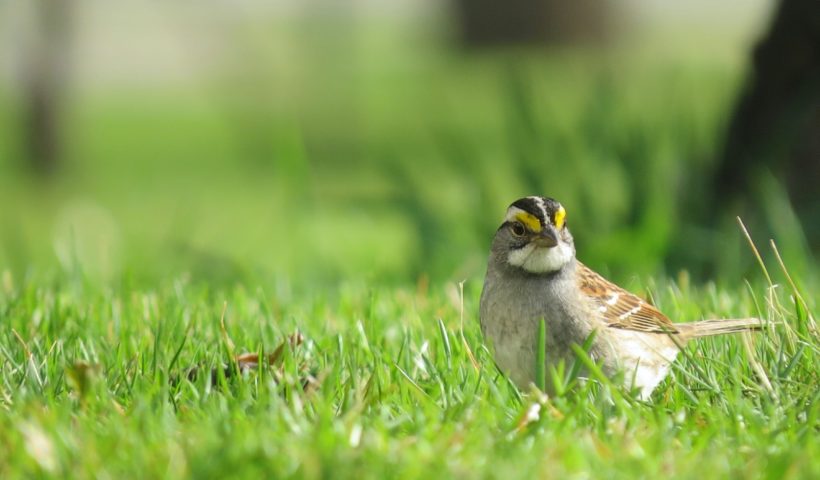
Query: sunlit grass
[(93, 383), (186, 229)]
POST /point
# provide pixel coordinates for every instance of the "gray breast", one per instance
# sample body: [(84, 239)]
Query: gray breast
[(512, 305)]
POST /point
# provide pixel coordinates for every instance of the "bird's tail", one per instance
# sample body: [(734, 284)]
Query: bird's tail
[(707, 328)]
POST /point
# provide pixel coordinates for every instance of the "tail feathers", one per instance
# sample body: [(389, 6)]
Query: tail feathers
[(707, 328)]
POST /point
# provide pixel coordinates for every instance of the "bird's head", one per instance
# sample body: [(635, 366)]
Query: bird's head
[(534, 236)]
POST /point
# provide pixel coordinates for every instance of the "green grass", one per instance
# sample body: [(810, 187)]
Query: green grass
[(93, 384), (343, 198)]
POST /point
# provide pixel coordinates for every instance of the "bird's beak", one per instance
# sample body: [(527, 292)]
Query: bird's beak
[(547, 238)]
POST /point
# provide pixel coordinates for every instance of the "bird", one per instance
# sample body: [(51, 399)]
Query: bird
[(533, 274)]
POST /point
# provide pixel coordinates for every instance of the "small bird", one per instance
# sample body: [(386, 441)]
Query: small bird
[(532, 274)]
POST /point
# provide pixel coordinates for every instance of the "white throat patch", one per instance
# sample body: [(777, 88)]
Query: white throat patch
[(541, 260)]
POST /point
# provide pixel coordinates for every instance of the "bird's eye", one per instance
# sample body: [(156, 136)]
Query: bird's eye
[(518, 230)]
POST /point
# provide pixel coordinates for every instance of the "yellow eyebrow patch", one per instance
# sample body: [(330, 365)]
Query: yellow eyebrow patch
[(530, 220), (560, 216)]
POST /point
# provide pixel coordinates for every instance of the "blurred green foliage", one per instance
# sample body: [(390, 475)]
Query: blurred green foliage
[(387, 173)]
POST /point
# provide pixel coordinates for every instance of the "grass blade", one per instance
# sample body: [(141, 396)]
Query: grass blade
[(541, 356)]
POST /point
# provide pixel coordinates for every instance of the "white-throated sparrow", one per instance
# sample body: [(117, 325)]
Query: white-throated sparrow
[(532, 274)]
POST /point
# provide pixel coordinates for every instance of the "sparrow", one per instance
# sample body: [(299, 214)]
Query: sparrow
[(533, 274)]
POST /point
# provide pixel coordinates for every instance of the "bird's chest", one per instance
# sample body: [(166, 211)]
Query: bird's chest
[(510, 316)]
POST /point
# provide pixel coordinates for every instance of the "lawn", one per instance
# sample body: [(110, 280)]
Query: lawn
[(388, 382), (190, 225)]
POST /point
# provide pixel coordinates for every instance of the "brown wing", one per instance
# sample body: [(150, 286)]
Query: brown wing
[(619, 308)]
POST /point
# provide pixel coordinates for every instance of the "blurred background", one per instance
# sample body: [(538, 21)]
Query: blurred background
[(316, 140)]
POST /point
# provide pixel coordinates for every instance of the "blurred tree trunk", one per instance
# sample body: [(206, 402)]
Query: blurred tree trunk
[(44, 85), (490, 22), (776, 122)]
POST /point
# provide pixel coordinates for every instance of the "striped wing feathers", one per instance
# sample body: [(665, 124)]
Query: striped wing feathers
[(619, 308)]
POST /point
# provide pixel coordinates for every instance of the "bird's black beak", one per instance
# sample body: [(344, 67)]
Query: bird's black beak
[(547, 238)]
